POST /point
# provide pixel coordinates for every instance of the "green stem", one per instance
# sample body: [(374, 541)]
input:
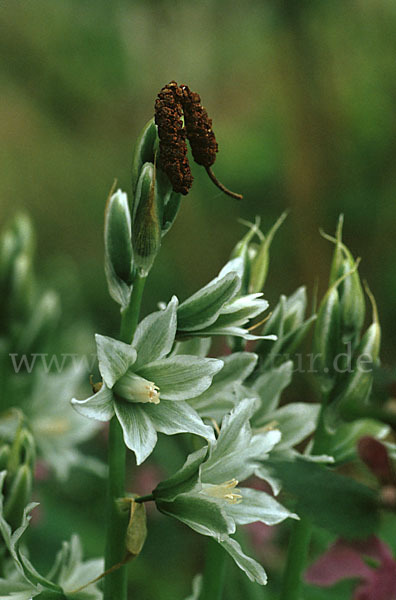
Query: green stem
[(115, 583), (214, 572), (146, 498), (300, 538), (130, 315), (296, 559)]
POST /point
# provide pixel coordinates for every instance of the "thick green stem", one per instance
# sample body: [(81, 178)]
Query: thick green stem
[(115, 583), (130, 315), (296, 559), (214, 572), (301, 532)]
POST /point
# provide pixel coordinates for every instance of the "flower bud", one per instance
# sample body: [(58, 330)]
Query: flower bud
[(145, 149), (146, 230), (18, 495), (134, 388), (117, 235), (5, 452), (260, 263), (326, 338)]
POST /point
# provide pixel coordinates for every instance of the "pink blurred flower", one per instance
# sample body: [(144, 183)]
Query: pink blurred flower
[(346, 560)]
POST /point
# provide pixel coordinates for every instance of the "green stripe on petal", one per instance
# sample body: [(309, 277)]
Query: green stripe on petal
[(252, 568), (155, 335), (258, 506), (203, 308), (114, 358), (181, 377), (178, 417), (139, 432), (203, 514), (99, 406)]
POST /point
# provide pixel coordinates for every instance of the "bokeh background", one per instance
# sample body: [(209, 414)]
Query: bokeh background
[(302, 98)]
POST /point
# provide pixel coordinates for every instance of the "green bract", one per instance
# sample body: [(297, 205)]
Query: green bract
[(203, 493), (145, 388), (217, 309)]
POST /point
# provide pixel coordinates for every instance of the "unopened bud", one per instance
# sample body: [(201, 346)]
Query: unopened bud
[(145, 149), (117, 235), (18, 496), (146, 230)]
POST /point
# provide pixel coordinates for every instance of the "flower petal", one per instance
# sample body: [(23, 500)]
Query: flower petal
[(258, 506), (178, 417), (155, 335), (181, 377), (252, 568), (114, 358), (99, 406), (139, 432)]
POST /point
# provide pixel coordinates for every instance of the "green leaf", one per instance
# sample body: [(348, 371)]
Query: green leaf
[(236, 368), (114, 358), (338, 503), (139, 432), (296, 421), (155, 335), (184, 480), (268, 387), (99, 406), (177, 417), (202, 513), (203, 308), (258, 506), (181, 377), (252, 568)]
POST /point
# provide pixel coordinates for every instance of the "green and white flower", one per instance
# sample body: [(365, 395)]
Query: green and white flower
[(145, 388), (218, 309), (203, 493), (23, 582)]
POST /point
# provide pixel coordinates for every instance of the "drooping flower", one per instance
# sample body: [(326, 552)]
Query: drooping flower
[(203, 493)]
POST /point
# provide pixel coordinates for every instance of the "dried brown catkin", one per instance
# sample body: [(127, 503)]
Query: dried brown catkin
[(198, 128), (172, 138)]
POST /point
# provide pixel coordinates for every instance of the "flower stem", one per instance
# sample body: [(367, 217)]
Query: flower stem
[(296, 559), (214, 572), (301, 532), (115, 583), (130, 315)]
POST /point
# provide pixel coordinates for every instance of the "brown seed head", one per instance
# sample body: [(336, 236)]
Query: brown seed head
[(198, 128), (172, 138)]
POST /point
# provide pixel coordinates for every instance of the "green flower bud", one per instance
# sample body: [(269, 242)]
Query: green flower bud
[(18, 495), (145, 149), (5, 453), (288, 323), (247, 251), (117, 235), (146, 231), (42, 322), (21, 286), (357, 387), (260, 263), (134, 388), (326, 338), (350, 289)]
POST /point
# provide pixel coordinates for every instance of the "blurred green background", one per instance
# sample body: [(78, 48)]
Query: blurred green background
[(302, 97)]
